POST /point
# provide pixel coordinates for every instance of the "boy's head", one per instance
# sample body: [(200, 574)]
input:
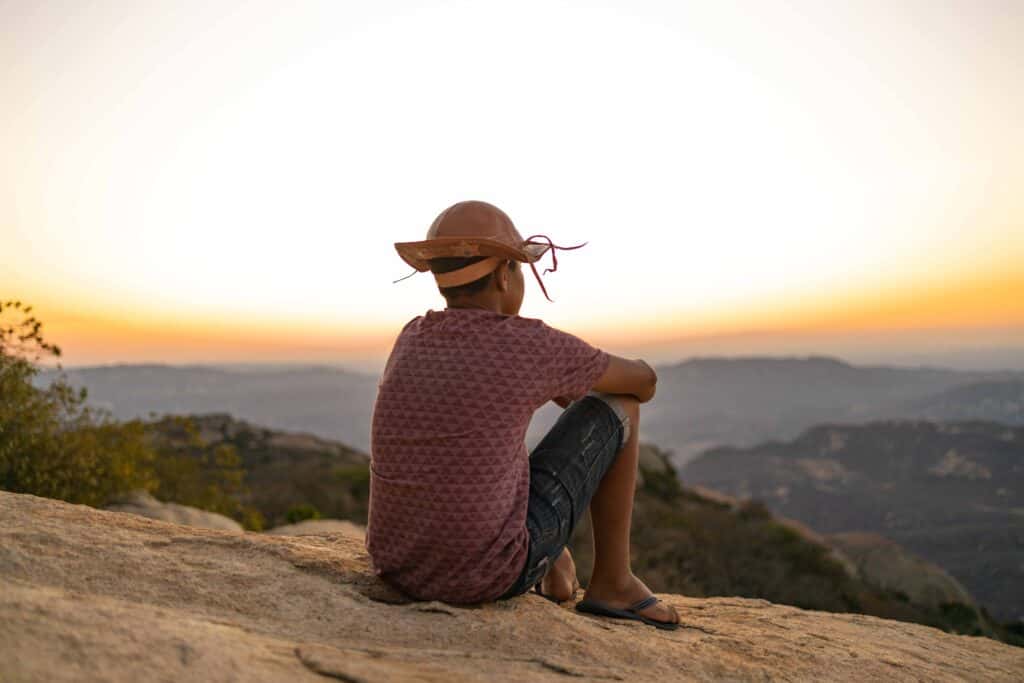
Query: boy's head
[(500, 289)]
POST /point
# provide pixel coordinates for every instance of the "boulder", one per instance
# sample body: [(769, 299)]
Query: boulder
[(144, 504), (889, 566)]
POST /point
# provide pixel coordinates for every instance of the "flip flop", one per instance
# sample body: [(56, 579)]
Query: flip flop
[(537, 589), (631, 612)]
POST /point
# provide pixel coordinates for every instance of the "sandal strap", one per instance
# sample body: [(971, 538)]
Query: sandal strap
[(646, 602)]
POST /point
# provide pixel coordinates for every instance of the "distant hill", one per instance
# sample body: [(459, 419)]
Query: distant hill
[(952, 493), (993, 401), (705, 402), (701, 403), (284, 471), (327, 401)]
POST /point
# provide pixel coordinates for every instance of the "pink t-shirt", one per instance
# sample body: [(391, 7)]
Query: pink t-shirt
[(449, 470)]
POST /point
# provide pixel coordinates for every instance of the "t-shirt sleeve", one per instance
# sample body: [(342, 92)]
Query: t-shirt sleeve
[(571, 366)]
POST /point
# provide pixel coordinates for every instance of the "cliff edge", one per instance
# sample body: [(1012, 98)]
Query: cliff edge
[(97, 595)]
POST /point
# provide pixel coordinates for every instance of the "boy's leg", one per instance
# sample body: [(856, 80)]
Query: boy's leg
[(565, 470), (611, 512), (583, 461), (587, 459)]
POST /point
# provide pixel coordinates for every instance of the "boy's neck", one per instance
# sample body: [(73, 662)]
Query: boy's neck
[(492, 304), (460, 306)]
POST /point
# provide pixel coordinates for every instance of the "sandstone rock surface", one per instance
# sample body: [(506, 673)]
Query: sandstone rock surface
[(94, 595), (320, 527)]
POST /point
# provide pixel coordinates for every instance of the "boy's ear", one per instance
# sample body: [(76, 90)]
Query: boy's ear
[(501, 276)]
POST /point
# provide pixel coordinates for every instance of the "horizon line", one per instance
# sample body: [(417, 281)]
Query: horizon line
[(682, 360)]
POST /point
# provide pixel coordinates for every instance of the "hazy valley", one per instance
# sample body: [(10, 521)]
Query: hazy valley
[(950, 492), (701, 403)]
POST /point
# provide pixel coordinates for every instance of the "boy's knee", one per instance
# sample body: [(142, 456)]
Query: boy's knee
[(622, 402), (626, 407), (630, 403)]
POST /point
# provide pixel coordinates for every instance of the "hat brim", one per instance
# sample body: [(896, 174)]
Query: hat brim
[(417, 254)]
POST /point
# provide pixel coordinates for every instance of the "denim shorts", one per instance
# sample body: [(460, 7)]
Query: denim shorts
[(566, 468)]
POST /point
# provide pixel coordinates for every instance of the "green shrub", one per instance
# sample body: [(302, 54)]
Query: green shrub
[(191, 472), (51, 443), (961, 618), (664, 485), (750, 510), (302, 512), (356, 480)]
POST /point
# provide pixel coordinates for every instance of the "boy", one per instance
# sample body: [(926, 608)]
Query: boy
[(459, 512)]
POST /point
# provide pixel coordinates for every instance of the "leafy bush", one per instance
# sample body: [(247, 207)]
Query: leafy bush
[(302, 512), (356, 480), (54, 445), (192, 472), (51, 443), (663, 485), (961, 618)]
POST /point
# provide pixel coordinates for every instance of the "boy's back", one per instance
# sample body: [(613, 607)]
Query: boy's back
[(450, 472)]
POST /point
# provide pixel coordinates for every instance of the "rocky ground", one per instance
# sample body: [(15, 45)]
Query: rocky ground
[(97, 595)]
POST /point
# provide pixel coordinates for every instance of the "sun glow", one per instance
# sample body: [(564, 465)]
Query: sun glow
[(196, 184)]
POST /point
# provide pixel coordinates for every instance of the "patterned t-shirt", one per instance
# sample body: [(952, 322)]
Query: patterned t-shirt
[(449, 469)]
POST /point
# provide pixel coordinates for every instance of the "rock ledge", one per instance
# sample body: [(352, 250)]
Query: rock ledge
[(96, 595)]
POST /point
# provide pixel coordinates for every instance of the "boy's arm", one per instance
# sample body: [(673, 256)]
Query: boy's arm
[(573, 367), (625, 376)]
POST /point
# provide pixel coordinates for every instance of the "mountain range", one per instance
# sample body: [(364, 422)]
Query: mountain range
[(701, 403)]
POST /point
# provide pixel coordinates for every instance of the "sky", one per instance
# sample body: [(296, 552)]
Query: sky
[(223, 182)]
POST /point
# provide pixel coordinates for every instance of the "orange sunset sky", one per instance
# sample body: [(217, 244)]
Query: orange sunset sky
[(189, 183)]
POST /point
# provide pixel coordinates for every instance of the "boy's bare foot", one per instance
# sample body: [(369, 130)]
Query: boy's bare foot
[(630, 591), (560, 582)]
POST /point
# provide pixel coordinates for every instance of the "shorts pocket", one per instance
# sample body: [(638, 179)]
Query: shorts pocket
[(544, 521)]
